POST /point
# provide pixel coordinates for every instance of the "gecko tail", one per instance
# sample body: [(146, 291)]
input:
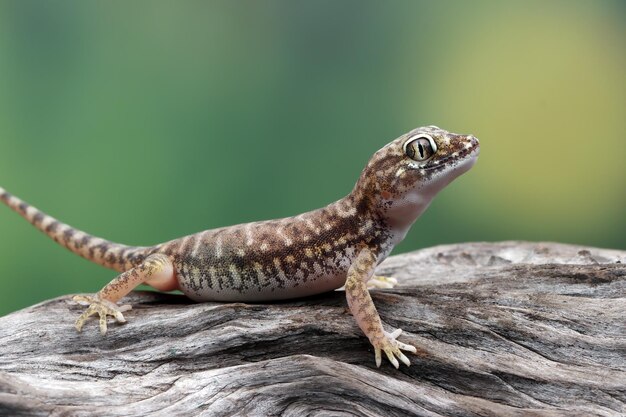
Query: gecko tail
[(103, 252)]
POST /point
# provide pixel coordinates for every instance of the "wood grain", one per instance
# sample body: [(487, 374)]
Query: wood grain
[(503, 329)]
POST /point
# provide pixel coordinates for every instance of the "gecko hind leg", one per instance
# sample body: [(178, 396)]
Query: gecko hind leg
[(154, 270)]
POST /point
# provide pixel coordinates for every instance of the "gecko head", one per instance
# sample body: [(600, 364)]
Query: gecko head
[(402, 178)]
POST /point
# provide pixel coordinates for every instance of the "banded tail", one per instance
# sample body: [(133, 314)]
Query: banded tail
[(103, 252)]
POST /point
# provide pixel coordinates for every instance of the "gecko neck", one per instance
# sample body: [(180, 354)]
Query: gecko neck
[(402, 213), (397, 214), (386, 221)]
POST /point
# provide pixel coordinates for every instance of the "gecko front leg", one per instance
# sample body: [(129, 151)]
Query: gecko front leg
[(364, 311), (156, 270)]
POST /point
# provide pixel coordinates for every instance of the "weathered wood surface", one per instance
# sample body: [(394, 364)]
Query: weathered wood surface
[(505, 329)]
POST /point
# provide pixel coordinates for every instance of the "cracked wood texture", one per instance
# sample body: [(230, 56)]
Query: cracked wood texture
[(502, 329)]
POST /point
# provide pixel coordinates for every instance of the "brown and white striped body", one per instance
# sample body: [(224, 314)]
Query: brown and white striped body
[(276, 259), (311, 253)]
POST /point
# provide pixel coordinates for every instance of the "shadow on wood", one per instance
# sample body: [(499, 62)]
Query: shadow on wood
[(504, 329)]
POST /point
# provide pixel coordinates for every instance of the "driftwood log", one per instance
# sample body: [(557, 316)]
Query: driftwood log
[(506, 329)]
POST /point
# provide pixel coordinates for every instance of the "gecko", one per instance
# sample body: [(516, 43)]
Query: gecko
[(318, 251)]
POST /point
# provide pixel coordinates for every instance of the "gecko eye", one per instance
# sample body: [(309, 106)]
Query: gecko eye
[(420, 148)]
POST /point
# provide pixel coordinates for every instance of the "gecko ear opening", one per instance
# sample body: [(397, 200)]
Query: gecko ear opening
[(420, 148)]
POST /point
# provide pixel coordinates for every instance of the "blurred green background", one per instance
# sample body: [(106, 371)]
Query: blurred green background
[(144, 121)]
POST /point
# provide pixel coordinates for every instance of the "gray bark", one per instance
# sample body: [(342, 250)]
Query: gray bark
[(502, 329)]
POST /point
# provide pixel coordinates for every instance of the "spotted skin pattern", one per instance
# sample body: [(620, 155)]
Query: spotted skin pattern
[(311, 253)]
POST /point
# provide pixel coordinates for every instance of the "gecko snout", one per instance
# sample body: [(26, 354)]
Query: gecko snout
[(473, 144)]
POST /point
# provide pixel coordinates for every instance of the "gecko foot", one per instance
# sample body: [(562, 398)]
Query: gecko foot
[(392, 349), (103, 308), (381, 282)]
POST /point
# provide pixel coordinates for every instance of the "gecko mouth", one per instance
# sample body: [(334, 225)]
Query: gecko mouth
[(461, 155)]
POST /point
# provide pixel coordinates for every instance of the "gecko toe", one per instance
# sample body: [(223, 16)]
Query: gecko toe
[(395, 333), (408, 348), (390, 355), (377, 356), (381, 282), (404, 359)]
